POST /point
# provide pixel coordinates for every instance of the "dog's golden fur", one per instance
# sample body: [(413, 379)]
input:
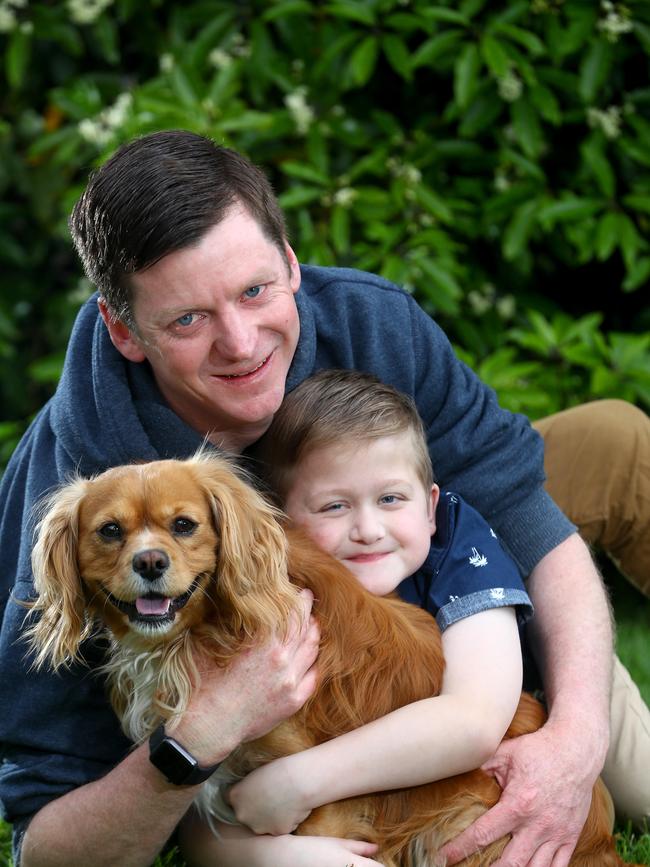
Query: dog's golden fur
[(230, 573)]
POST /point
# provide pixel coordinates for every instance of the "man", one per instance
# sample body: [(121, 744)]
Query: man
[(205, 320)]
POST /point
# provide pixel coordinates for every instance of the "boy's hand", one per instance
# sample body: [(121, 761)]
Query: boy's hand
[(327, 852), (269, 800)]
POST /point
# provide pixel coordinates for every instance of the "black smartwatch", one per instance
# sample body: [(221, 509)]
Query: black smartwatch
[(174, 761)]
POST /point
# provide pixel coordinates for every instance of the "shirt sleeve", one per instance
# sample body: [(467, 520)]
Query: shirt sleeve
[(467, 570)]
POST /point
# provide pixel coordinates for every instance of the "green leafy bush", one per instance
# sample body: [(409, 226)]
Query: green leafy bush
[(494, 158)]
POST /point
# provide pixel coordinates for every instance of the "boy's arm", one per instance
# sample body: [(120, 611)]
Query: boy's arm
[(237, 845), (428, 740)]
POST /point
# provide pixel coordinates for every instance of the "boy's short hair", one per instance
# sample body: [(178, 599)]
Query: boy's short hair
[(161, 193), (336, 407)]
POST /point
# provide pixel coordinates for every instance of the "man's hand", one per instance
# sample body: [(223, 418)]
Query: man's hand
[(260, 687), (269, 800), (547, 786)]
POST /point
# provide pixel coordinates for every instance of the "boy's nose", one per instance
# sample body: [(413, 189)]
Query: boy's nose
[(366, 527)]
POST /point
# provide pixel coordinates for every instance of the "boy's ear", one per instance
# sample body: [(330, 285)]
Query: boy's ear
[(434, 496), (121, 335)]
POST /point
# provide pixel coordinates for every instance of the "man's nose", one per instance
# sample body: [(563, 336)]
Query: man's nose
[(235, 337), (367, 526)]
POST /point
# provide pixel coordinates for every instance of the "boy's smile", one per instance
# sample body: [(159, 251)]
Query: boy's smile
[(366, 505)]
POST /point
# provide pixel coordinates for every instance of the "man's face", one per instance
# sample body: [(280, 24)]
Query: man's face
[(219, 326)]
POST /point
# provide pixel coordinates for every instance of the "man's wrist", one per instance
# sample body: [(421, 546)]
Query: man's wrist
[(588, 733), (208, 747), (175, 762)]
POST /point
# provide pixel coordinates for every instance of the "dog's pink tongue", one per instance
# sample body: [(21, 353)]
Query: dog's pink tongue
[(145, 605)]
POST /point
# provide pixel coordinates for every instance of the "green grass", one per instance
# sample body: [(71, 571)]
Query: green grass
[(632, 615)]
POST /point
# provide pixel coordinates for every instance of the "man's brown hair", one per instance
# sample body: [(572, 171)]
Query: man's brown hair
[(158, 194)]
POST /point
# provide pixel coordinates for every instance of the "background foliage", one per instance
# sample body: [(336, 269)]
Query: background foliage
[(492, 157)]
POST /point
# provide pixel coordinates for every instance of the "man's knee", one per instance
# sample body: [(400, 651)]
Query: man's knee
[(597, 462), (628, 759)]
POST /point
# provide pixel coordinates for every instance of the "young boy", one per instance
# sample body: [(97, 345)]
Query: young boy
[(347, 458)]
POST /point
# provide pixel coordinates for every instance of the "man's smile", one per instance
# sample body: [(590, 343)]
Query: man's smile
[(246, 373)]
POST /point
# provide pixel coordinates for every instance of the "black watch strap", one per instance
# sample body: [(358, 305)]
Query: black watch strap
[(177, 764)]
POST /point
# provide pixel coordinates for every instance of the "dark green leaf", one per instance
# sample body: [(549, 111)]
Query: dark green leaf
[(17, 57), (594, 70), (527, 128), (362, 62), (518, 231), (360, 12), (398, 55), (466, 71), (431, 50), (495, 56)]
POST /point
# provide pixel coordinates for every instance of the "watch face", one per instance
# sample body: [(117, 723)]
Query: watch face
[(175, 762)]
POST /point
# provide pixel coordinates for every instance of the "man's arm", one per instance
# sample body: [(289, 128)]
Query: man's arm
[(125, 818), (547, 777), (122, 819)]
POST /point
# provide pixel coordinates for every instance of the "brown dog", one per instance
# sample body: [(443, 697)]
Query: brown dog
[(173, 555)]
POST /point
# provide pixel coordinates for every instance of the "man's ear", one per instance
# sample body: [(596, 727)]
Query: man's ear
[(294, 268), (121, 335), (432, 506)]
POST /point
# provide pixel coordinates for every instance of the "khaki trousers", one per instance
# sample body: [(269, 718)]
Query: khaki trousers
[(597, 462)]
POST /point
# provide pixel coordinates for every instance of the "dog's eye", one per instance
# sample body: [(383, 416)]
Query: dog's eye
[(183, 526), (110, 531)]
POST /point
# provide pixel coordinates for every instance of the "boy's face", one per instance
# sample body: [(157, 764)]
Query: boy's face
[(366, 505)]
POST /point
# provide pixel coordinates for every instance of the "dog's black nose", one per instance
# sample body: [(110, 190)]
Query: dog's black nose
[(150, 564)]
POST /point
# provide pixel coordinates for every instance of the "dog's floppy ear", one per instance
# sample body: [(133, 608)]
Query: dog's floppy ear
[(62, 625), (251, 574)]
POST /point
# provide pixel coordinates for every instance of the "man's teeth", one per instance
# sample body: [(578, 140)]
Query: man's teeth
[(247, 372)]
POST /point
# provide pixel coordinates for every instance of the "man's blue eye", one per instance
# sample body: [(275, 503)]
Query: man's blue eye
[(253, 292), (185, 319)]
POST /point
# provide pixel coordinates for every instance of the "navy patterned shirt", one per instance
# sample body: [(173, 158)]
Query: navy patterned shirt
[(467, 570)]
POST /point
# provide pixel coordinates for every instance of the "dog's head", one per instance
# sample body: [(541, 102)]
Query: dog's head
[(156, 549)]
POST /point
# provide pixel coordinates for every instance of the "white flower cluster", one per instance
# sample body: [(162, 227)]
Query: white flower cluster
[(616, 22), (87, 11), (345, 196), (8, 17), (301, 112), (166, 62), (101, 129), (486, 298), (411, 174), (510, 87), (608, 121), (502, 180), (221, 58)]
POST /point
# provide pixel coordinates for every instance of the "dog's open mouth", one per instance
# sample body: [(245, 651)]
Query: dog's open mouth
[(152, 608)]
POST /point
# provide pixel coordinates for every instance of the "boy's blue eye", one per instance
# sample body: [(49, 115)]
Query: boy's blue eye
[(389, 499), (253, 292)]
